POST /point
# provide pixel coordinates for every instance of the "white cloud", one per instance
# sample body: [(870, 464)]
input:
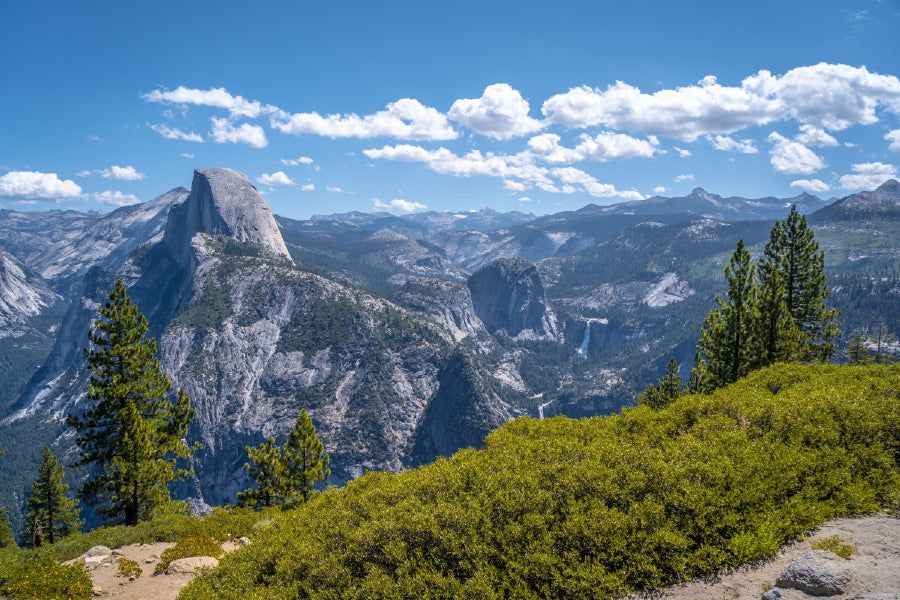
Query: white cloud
[(524, 199), (609, 146), (405, 119), (729, 144), (252, 135), (214, 97), (681, 152), (34, 185), (814, 136), (792, 157), (173, 133), (811, 185), (331, 188), (516, 186), (659, 189), (684, 177), (293, 162), (501, 113), (589, 183), (825, 96), (868, 176), (277, 178), (122, 173), (308, 187), (546, 147), (894, 138), (116, 198), (187, 155), (399, 204)]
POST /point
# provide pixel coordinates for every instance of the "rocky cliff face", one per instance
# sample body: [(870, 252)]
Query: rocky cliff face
[(508, 297)]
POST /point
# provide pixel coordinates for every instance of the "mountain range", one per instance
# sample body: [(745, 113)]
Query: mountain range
[(404, 337)]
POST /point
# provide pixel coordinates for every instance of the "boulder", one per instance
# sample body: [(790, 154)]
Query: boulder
[(773, 594), (98, 551), (193, 565), (817, 573)]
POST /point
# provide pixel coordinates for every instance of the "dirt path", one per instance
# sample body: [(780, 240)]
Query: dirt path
[(875, 566)]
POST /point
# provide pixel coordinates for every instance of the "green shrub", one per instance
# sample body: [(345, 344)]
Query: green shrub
[(44, 579), (129, 568), (195, 545), (834, 544)]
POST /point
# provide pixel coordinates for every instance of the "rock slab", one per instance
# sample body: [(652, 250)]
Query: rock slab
[(193, 564), (817, 573)]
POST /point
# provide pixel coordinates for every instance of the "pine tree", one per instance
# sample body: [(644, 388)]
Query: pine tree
[(305, 461), (666, 390), (7, 538), (793, 252), (131, 431), (266, 468), (729, 345), (779, 338), (857, 352), (51, 514)]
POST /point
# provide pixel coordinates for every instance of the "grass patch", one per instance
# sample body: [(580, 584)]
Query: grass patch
[(594, 508), (836, 545), (195, 545), (129, 568)]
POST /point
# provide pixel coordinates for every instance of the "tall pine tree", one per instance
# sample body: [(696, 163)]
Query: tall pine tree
[(305, 461), (666, 390), (131, 432), (266, 469), (51, 514), (7, 538), (729, 345), (793, 253)]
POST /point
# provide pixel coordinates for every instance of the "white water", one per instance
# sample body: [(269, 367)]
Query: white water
[(587, 340)]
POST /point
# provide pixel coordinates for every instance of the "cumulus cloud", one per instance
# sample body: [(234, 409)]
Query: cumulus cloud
[(792, 157), (116, 198), (868, 176), (546, 148), (34, 185), (277, 178), (814, 136), (405, 119), (293, 162), (894, 138), (811, 185), (501, 113), (729, 144), (684, 177), (335, 189), (173, 133), (573, 176), (824, 96), (308, 187), (122, 173), (214, 97), (399, 204), (659, 189), (609, 146), (224, 131), (681, 152), (187, 155)]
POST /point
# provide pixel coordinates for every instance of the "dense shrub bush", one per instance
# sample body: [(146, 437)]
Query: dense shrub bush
[(598, 507)]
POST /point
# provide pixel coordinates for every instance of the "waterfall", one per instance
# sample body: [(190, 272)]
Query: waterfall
[(587, 340)]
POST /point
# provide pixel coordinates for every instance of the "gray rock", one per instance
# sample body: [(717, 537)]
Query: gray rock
[(193, 564), (773, 594), (97, 551), (818, 573), (508, 296), (243, 541)]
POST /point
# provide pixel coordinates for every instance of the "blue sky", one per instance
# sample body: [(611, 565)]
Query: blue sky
[(399, 106)]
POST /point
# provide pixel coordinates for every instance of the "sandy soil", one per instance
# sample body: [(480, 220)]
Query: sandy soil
[(875, 565)]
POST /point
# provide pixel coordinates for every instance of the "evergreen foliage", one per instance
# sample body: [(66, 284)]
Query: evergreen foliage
[(793, 253), (51, 514), (131, 431), (266, 469), (305, 461), (857, 352), (594, 508), (7, 537), (779, 335), (666, 390), (729, 345)]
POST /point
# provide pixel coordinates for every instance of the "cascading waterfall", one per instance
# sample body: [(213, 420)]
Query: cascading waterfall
[(586, 341)]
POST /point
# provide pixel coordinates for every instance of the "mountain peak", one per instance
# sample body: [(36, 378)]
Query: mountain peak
[(224, 202), (889, 189)]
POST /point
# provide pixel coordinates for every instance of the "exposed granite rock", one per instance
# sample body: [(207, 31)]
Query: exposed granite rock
[(508, 296), (192, 564), (818, 573)]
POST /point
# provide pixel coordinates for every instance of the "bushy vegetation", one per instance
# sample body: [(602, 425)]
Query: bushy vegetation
[(200, 544), (597, 507), (834, 544), (42, 578)]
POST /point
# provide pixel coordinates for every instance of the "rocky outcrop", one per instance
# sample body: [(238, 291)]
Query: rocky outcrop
[(449, 303), (508, 297), (22, 295), (818, 573), (223, 202)]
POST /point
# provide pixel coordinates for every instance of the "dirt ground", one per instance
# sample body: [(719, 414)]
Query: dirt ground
[(875, 565)]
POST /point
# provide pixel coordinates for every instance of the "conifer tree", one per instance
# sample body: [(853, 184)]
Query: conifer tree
[(7, 538), (305, 461), (131, 432), (666, 390), (266, 468), (793, 252), (51, 514), (729, 345), (857, 352), (779, 338)]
